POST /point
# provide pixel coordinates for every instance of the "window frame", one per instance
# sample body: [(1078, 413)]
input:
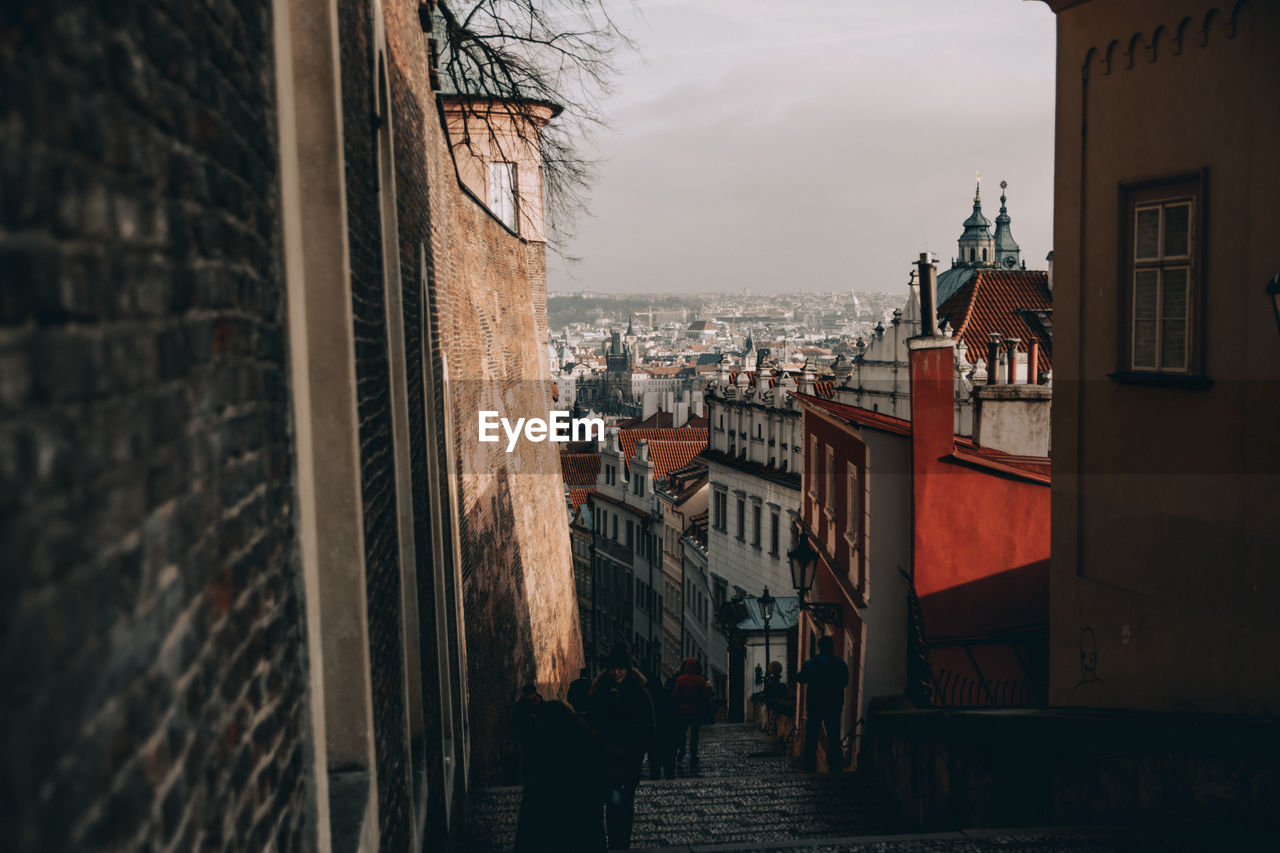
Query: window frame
[(1192, 187), (498, 205)]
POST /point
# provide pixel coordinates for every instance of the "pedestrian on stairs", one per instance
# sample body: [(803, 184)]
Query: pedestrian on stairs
[(565, 784), (621, 714), (692, 694), (826, 677), (662, 749)]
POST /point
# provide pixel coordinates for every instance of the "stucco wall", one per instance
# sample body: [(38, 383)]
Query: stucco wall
[(1165, 498)]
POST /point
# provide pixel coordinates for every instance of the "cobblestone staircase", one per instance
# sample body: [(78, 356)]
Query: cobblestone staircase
[(746, 790)]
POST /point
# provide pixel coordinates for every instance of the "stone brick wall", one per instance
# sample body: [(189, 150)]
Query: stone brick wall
[(373, 393), (151, 644), (488, 301)]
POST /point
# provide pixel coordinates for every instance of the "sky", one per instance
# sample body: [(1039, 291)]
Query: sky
[(814, 144)]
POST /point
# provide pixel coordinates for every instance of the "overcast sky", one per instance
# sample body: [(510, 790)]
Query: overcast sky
[(815, 144)]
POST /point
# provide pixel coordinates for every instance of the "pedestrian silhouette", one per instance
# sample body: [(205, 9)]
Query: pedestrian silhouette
[(692, 696), (565, 785), (662, 749), (522, 718), (621, 714), (579, 690), (826, 677)]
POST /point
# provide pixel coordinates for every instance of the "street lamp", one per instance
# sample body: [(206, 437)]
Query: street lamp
[(804, 567), (767, 603)]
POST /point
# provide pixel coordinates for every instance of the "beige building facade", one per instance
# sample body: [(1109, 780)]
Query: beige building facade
[(1166, 463)]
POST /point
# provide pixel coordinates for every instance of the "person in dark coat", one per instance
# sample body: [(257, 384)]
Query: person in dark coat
[(565, 785), (579, 691), (826, 677), (522, 717), (662, 750), (692, 695), (621, 714)]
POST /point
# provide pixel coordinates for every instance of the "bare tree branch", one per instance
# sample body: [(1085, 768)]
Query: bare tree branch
[(531, 55)]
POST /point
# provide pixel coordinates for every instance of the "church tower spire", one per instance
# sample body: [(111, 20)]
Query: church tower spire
[(977, 247), (1007, 252)]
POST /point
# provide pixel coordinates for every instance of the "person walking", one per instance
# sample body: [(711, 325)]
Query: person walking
[(662, 749), (565, 785), (579, 691), (621, 714), (692, 694), (826, 677), (522, 724)]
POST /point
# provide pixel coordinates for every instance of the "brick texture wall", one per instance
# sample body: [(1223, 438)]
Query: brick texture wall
[(487, 293), (373, 398), (151, 644)]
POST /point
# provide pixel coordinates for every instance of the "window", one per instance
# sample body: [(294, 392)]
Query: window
[(755, 527), (829, 489), (742, 518), (773, 534), (1161, 330), (630, 534), (984, 255), (853, 510), (502, 192), (721, 511), (615, 527), (813, 466)]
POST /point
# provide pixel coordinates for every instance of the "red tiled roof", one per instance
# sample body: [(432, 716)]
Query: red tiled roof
[(577, 496), (1034, 468), (858, 415), (667, 456), (697, 421), (631, 436), (580, 469), (991, 301)]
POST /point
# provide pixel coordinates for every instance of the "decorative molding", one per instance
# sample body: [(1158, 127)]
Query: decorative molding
[(1214, 19)]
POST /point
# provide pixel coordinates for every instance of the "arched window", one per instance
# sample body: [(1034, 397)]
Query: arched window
[(984, 256), (971, 255)]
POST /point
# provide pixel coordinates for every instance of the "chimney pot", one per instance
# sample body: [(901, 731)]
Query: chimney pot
[(1012, 344), (993, 359), (1033, 362), (928, 295)]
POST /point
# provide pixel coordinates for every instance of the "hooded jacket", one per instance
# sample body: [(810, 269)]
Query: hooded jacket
[(691, 691)]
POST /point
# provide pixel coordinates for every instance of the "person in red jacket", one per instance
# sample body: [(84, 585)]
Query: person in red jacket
[(693, 705)]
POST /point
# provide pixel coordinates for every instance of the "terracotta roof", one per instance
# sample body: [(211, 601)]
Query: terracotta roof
[(1037, 469), (577, 496), (858, 415), (631, 436), (697, 421), (994, 301), (580, 469), (667, 456)]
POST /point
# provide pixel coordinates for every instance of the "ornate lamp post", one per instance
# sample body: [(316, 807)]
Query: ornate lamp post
[(804, 567), (767, 603)]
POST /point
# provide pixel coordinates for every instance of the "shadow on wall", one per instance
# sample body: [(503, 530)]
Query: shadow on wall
[(499, 641)]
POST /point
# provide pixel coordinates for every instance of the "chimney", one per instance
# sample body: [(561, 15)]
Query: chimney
[(1012, 344), (1048, 259), (642, 450), (932, 361), (1033, 362), (928, 276), (993, 359)]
